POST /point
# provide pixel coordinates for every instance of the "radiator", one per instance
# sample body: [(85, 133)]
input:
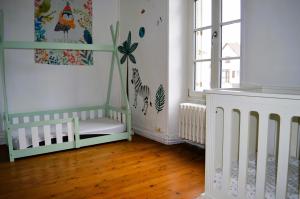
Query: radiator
[(192, 122)]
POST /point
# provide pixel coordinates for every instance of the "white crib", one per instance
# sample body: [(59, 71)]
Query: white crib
[(249, 126)]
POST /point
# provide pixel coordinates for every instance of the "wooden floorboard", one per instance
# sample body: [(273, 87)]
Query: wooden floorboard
[(121, 170)]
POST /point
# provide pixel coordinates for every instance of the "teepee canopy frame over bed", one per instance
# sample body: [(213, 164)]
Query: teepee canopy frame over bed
[(55, 130)]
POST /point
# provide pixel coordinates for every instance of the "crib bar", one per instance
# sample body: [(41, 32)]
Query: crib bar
[(243, 153), (262, 155), (34, 132), (227, 148), (210, 155), (283, 157), (47, 131)]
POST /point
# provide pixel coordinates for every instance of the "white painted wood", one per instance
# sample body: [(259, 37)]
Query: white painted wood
[(262, 154), (65, 115), (263, 102), (100, 113), (35, 133), (124, 118), (58, 130), (119, 116), (47, 131), (70, 132), (83, 115), (218, 115), (15, 120), (75, 114), (227, 155), (92, 114), (211, 139), (283, 156), (243, 153), (115, 115), (235, 134), (22, 135)]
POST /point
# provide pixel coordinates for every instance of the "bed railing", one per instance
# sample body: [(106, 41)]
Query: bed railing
[(34, 130), (241, 125)]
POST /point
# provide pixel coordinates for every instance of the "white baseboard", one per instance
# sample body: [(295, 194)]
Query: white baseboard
[(159, 137), (204, 196)]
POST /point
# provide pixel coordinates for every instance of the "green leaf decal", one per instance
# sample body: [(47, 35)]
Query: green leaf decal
[(133, 47), (160, 98), (132, 58)]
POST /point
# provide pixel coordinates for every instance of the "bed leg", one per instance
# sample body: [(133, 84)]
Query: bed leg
[(9, 144), (11, 158), (76, 129), (129, 137)]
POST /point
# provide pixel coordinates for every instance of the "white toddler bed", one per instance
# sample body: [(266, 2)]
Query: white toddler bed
[(252, 143)]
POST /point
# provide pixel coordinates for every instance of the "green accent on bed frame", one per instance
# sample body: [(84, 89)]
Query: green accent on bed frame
[(77, 143)]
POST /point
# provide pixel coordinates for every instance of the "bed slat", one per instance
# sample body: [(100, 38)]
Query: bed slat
[(35, 133), (65, 115), (92, 114), (283, 157), (70, 132), (262, 155), (124, 118), (83, 115), (22, 135), (47, 131), (58, 130), (100, 113)]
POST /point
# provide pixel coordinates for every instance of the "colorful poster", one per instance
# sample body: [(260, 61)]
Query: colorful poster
[(65, 21)]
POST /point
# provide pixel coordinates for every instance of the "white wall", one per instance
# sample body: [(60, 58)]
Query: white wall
[(33, 86), (178, 60), (272, 43), (152, 59)]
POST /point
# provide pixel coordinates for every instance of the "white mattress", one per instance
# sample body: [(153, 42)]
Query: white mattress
[(100, 126), (293, 179)]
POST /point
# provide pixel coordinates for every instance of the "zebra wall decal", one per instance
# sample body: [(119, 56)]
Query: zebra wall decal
[(141, 90)]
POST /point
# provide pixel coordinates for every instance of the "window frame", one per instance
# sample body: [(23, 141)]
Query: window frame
[(216, 59)]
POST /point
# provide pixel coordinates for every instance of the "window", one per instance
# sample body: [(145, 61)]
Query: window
[(217, 38)]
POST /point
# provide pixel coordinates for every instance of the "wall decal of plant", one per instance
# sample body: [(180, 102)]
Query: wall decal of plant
[(127, 49), (160, 98)]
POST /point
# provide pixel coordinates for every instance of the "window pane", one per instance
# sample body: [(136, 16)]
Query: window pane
[(203, 44), (231, 10), (203, 13), (231, 39), (202, 75), (230, 73)]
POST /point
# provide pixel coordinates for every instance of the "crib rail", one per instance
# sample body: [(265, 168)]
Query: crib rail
[(236, 137)]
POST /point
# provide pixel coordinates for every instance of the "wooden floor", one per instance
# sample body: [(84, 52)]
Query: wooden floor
[(138, 169)]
